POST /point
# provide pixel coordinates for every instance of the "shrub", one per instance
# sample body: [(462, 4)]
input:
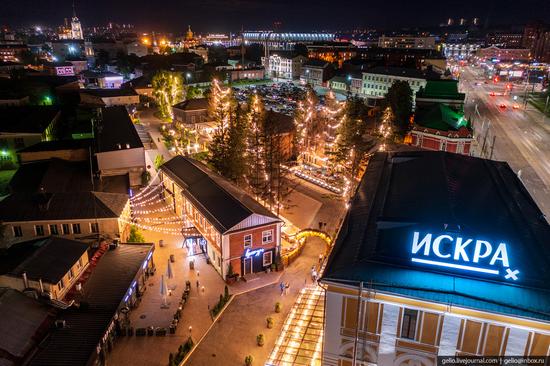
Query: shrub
[(277, 307), (248, 360), (269, 322), (260, 339)]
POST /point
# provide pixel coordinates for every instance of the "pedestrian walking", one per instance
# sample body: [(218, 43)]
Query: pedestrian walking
[(313, 273), (287, 288), (198, 284), (202, 289), (282, 287), (198, 274), (320, 258), (314, 276)]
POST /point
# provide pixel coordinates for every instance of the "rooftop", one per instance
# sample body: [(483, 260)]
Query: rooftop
[(117, 130), (440, 117), (438, 192), (23, 207), (222, 203), (104, 292), (27, 119), (441, 89), (23, 320), (404, 72), (193, 104), (110, 93), (57, 145), (48, 259), (315, 63)]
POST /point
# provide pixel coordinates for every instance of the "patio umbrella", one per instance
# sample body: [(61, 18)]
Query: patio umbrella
[(163, 291)]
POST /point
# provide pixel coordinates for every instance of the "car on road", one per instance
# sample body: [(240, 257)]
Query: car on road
[(515, 106), (502, 106), (492, 94)]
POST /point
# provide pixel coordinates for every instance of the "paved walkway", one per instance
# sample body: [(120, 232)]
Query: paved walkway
[(154, 350)]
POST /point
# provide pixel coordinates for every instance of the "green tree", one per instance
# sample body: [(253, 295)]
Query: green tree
[(167, 90), (135, 235), (194, 92), (126, 64), (255, 154), (307, 123), (159, 160), (228, 144), (399, 98), (352, 142)]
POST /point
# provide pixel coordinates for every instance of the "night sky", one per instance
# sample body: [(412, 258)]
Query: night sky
[(295, 15)]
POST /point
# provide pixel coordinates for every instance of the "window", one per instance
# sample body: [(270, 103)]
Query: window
[(71, 274), (268, 258), (76, 228), (61, 285), (39, 230), (66, 229), (94, 227), (267, 237), (17, 232), (80, 262), (53, 230), (248, 240), (19, 143), (408, 327)]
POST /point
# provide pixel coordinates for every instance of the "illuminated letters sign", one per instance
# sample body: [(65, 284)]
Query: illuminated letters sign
[(452, 251), (64, 71), (250, 253)]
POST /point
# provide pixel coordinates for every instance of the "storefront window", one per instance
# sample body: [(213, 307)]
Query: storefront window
[(267, 236), (408, 328), (268, 258), (248, 241)]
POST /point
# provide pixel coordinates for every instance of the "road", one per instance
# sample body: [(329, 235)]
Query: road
[(522, 136)]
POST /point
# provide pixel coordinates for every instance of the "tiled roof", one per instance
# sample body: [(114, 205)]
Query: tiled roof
[(222, 203), (459, 195)]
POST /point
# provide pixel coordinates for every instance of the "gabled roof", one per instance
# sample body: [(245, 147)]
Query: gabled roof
[(440, 117), (48, 259), (22, 207), (223, 204), (193, 104), (444, 193), (27, 119), (103, 292)]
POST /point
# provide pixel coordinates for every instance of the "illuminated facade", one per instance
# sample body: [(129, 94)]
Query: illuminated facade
[(235, 231), (406, 42), (434, 259), (285, 41), (284, 65)]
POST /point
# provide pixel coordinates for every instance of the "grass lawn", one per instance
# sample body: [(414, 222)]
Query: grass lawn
[(539, 101), (5, 177)]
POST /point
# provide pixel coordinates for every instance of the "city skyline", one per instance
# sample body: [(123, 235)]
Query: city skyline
[(224, 16)]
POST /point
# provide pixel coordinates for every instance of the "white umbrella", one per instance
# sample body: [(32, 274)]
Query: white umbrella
[(163, 291)]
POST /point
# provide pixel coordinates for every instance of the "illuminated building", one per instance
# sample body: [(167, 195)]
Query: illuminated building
[(406, 41), (378, 80), (440, 254), (284, 65), (503, 54), (237, 233), (76, 27), (285, 41), (333, 52), (316, 72)]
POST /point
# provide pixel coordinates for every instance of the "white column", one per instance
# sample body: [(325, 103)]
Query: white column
[(517, 340), (332, 337), (386, 353), (449, 335)]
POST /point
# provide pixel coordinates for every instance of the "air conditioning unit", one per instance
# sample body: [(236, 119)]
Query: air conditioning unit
[(60, 324)]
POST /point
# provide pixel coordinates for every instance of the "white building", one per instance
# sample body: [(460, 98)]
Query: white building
[(378, 80), (76, 27), (284, 65)]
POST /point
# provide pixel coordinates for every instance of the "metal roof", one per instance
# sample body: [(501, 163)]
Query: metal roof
[(405, 192), (223, 204)]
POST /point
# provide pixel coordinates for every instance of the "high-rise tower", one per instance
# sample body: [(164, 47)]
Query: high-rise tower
[(76, 27)]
